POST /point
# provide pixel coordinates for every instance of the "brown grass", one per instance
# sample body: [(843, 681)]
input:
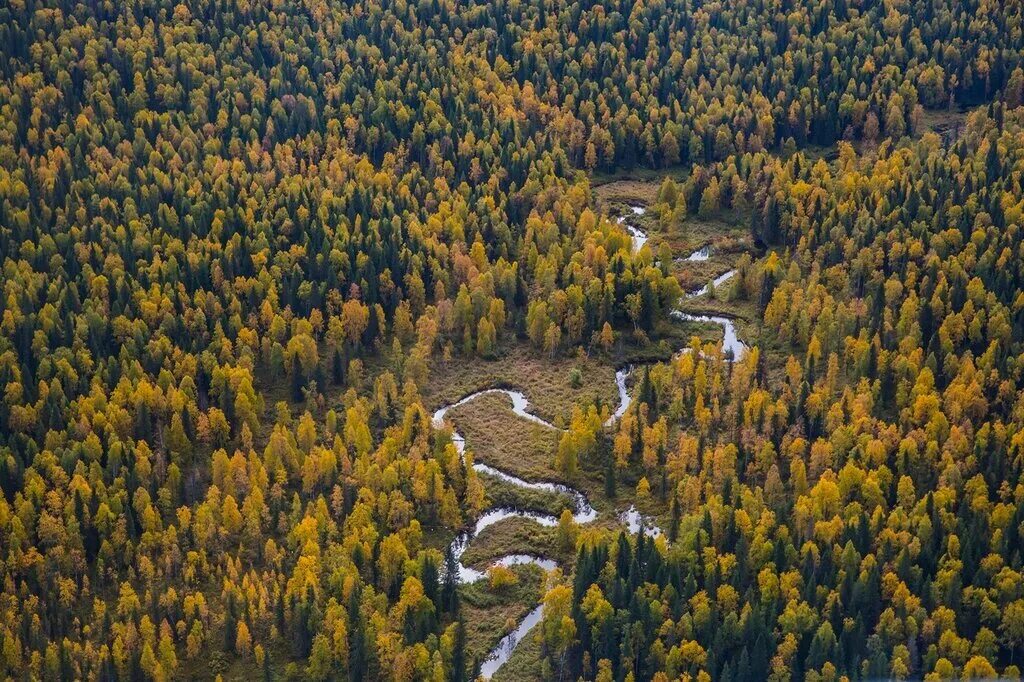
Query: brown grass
[(514, 535), (499, 437), (544, 380), (728, 231), (628, 191)]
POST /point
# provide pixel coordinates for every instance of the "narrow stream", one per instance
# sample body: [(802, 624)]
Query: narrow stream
[(639, 236), (717, 281), (581, 508), (503, 651), (583, 512), (700, 255), (731, 344), (624, 400)]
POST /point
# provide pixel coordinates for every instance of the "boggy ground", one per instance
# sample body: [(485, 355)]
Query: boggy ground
[(498, 437)]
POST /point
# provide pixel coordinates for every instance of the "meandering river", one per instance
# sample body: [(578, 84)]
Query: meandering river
[(579, 505), (582, 512)]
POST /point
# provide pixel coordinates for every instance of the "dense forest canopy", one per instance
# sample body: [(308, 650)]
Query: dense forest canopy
[(860, 513), (237, 235)]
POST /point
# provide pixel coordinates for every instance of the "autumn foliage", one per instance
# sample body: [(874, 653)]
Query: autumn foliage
[(235, 236)]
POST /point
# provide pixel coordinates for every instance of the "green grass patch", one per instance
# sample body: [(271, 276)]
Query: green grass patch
[(503, 494)]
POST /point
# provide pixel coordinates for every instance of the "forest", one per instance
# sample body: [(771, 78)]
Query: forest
[(515, 340)]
